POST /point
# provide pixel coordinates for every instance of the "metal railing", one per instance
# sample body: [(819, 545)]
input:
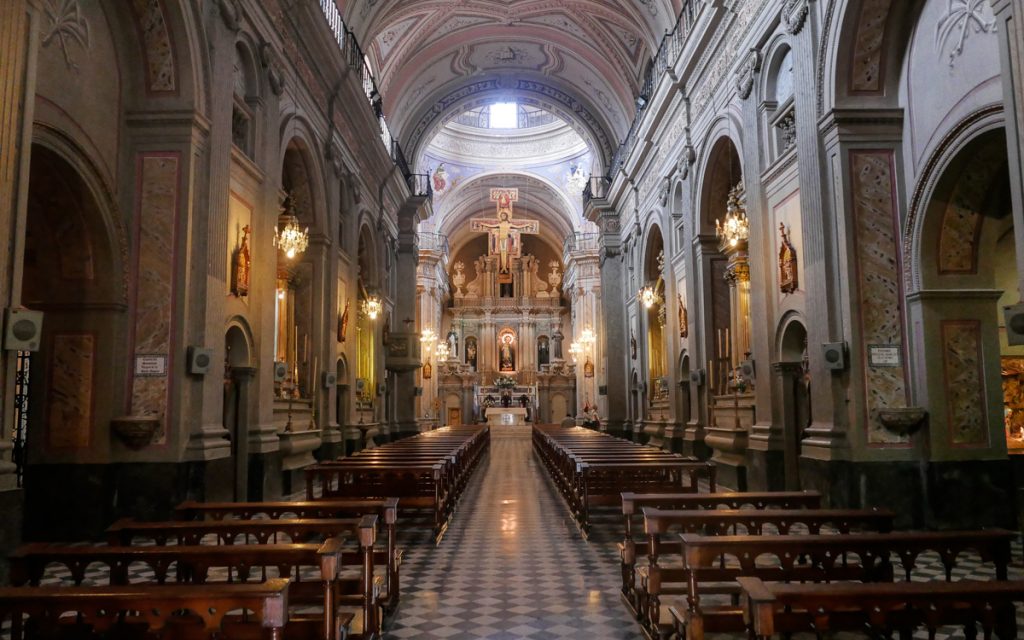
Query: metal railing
[(579, 242), (596, 187), (356, 59), (429, 241), (420, 185), (668, 52)]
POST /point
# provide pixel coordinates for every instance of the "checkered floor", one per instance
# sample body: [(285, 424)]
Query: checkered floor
[(512, 564)]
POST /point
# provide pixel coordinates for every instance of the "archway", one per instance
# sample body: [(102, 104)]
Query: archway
[(725, 278), (683, 403), (795, 406), (966, 265), (654, 314), (238, 372), (74, 384)]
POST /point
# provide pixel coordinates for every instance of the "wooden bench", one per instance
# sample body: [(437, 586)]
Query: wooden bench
[(711, 561), (632, 503), (137, 612), (386, 509), (428, 471), (879, 610), (749, 522), (193, 565), (592, 469)]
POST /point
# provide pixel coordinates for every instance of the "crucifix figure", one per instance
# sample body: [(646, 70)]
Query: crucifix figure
[(504, 230)]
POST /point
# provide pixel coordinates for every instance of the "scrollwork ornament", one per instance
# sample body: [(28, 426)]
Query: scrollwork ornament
[(229, 14), (794, 15), (746, 73), (268, 57)]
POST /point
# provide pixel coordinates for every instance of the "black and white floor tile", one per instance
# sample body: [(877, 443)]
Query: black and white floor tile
[(513, 564)]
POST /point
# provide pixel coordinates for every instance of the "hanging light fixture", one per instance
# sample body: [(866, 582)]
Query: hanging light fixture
[(736, 228), (290, 237), (648, 297), (587, 336), (575, 349), (372, 307), (442, 352)]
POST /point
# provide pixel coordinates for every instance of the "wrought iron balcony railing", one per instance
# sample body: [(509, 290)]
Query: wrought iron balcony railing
[(356, 59), (668, 53)]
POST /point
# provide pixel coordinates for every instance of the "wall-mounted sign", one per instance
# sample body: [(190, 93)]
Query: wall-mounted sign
[(151, 365), (885, 355)]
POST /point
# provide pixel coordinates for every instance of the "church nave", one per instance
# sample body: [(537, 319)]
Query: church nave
[(512, 564)]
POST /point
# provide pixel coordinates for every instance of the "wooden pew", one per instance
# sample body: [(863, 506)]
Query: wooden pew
[(632, 503), (710, 561), (879, 610), (136, 612), (592, 469), (193, 565), (386, 509)]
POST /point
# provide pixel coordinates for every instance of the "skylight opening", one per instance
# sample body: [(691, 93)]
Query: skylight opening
[(504, 115)]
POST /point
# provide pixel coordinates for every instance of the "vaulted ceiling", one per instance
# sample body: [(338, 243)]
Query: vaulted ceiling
[(580, 59)]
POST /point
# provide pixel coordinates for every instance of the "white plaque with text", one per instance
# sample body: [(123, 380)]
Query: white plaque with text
[(885, 355), (151, 365)]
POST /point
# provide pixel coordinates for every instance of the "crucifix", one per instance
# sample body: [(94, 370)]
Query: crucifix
[(504, 231)]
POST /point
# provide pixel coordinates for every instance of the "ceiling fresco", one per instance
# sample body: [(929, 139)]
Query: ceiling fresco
[(436, 58)]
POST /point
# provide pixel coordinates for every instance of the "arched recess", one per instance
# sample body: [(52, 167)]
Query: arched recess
[(726, 322), (246, 114), (655, 317), (368, 287), (683, 406), (343, 408), (968, 376), (300, 276), (862, 52), (793, 377), (73, 272), (238, 390)]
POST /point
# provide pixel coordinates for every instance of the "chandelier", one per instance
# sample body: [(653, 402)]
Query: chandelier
[(575, 350), (428, 338), (735, 229), (372, 307), (290, 238), (648, 296), (442, 352), (587, 336)]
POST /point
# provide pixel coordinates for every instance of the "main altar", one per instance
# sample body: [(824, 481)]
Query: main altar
[(506, 324)]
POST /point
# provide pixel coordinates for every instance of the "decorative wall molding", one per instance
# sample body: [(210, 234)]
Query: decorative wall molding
[(746, 73), (963, 18), (65, 25), (794, 15), (269, 60), (230, 14)]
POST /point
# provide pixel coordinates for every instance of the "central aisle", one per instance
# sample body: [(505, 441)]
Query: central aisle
[(512, 564)]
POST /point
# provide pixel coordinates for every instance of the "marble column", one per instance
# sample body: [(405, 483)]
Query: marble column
[(615, 334)]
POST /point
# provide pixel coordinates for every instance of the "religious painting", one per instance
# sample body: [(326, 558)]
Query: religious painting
[(427, 371), (343, 324), (242, 266), (684, 321), (789, 280), (471, 352), (506, 351), (1013, 400), (440, 179)]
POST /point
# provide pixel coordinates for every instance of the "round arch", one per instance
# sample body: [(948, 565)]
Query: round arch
[(300, 155), (239, 343), (722, 169)]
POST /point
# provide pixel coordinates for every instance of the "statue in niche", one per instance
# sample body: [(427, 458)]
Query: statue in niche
[(684, 321), (508, 358), (453, 344), (471, 352), (588, 368), (543, 353), (343, 324), (427, 371), (556, 341), (632, 345), (788, 275), (243, 266)]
